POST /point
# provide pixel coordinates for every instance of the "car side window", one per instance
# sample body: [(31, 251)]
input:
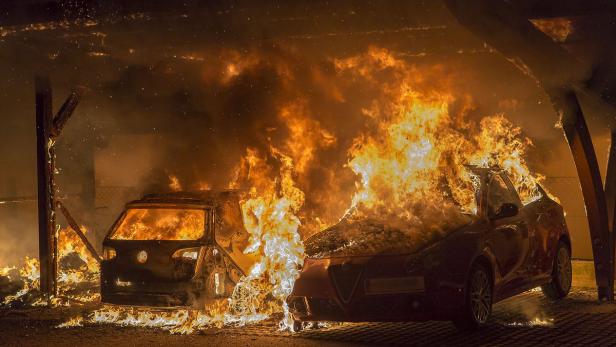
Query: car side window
[(498, 194)]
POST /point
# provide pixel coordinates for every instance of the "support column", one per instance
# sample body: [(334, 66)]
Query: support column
[(610, 193), (499, 24), (566, 103), (44, 167)]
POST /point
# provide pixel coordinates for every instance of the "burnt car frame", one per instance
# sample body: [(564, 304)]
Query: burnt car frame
[(179, 270), (505, 250)]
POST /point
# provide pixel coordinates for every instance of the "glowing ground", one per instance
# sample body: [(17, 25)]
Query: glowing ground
[(527, 319)]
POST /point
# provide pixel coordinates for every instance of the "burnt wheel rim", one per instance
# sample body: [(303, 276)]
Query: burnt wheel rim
[(563, 268), (480, 296)]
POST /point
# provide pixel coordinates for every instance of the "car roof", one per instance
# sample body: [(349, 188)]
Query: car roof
[(203, 198)]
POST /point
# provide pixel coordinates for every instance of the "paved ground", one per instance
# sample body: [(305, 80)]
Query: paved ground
[(525, 320)]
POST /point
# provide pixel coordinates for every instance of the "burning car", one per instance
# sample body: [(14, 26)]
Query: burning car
[(363, 269), (175, 249)]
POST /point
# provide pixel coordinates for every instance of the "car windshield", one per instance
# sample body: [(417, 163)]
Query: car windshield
[(161, 224)]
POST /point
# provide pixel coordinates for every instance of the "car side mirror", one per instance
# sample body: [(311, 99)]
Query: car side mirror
[(507, 210)]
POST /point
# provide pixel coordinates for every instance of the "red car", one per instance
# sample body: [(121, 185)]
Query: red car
[(504, 249)]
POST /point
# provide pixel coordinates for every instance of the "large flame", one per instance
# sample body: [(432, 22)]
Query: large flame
[(270, 216), (421, 141)]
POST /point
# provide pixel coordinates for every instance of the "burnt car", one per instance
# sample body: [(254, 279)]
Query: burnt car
[(175, 249), (362, 270)]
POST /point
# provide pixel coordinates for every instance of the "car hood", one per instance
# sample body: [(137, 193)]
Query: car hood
[(372, 236)]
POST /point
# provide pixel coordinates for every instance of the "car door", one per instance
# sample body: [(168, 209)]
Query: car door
[(508, 235)]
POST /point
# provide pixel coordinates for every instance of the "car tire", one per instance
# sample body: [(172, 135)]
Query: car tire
[(478, 300), (560, 285)]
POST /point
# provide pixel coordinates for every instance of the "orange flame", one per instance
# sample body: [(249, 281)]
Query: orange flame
[(270, 216)]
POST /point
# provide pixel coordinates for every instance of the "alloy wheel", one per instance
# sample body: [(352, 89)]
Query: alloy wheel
[(480, 296)]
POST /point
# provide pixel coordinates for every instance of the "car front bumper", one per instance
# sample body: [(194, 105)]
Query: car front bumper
[(381, 291)]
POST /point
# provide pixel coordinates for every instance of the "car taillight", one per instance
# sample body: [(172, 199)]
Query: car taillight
[(109, 253), (187, 254)]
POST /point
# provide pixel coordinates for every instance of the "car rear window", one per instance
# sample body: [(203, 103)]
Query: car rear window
[(161, 224)]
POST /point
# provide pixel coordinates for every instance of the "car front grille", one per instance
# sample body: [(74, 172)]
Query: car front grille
[(345, 278)]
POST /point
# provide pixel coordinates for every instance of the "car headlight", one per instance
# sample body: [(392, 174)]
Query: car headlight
[(187, 254), (109, 253)]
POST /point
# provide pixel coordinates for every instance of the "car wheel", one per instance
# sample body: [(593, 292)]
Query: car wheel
[(478, 300), (560, 285)]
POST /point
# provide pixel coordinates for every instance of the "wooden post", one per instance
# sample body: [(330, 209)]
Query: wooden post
[(45, 170), (48, 128)]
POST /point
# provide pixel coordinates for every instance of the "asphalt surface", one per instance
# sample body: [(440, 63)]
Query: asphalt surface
[(525, 320)]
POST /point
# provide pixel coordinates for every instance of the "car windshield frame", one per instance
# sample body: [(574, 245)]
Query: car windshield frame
[(204, 210)]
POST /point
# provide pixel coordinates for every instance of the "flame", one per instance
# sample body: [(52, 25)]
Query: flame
[(76, 321), (161, 224), (74, 282), (413, 160), (270, 216), (419, 155), (174, 183), (305, 135), (558, 29), (69, 242), (203, 185), (537, 321), (4, 271), (29, 273)]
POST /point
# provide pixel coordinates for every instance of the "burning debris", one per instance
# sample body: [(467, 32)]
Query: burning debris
[(77, 281)]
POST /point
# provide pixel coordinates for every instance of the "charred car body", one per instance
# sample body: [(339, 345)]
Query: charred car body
[(175, 249), (503, 249)]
